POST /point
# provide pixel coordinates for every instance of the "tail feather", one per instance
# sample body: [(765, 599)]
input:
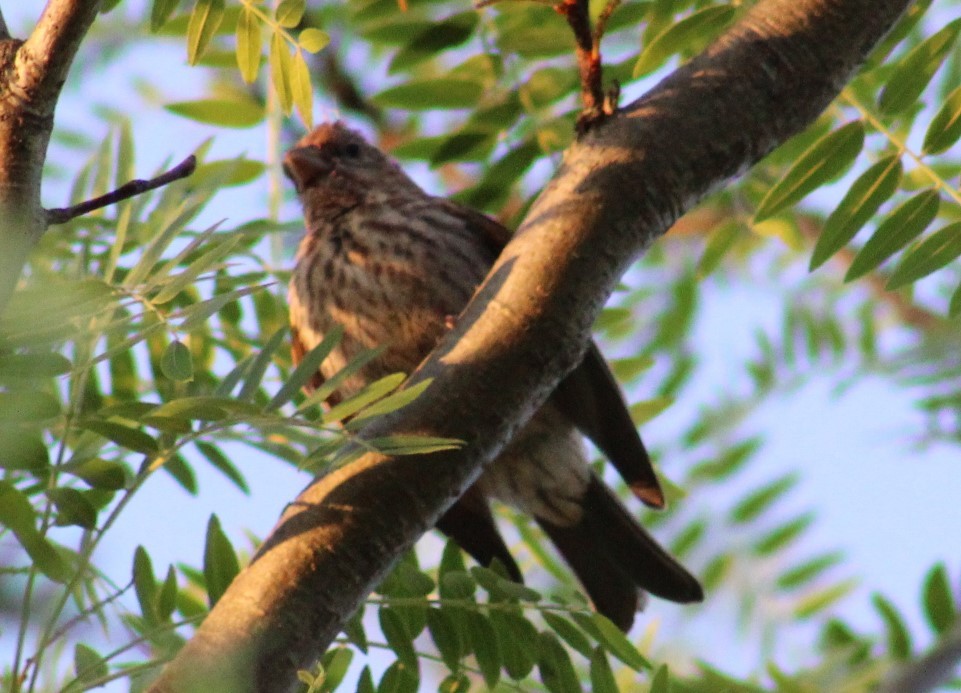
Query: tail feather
[(614, 558)]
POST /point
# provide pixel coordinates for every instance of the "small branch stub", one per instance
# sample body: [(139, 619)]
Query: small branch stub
[(62, 215), (598, 103)]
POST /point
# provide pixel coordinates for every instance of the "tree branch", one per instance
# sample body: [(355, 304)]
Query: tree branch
[(32, 73), (46, 57), (930, 671), (588, 52), (125, 191), (619, 188)]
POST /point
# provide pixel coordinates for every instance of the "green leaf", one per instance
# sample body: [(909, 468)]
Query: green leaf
[(371, 393), (602, 678), (690, 34), (18, 515), (398, 637), (199, 313), (167, 597), (249, 43), (447, 33), (820, 600), (399, 678), (457, 584), (933, 253), (547, 85), (257, 369), (431, 94), (228, 172), (73, 508), (913, 72), (446, 637), (231, 113), (145, 585), (872, 188), (484, 643), (290, 12), (280, 72), (413, 444), (331, 384), (517, 642), (807, 571), (160, 12), (28, 405), (204, 22), (208, 261), (354, 630), (454, 683), (661, 682), (760, 500), (365, 682), (124, 436), (945, 127), (954, 306), (568, 632), (393, 402), (500, 586), (220, 561), (533, 33), (313, 40), (176, 362), (23, 450), (224, 465), (556, 668), (781, 536), (898, 635), (336, 663), (940, 609), (37, 365), (721, 240), (900, 228), (645, 410), (824, 161), (301, 89), (617, 643), (88, 665)]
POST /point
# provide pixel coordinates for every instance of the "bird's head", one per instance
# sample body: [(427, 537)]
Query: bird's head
[(334, 169)]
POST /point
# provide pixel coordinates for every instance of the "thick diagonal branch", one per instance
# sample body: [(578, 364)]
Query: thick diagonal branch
[(619, 188)]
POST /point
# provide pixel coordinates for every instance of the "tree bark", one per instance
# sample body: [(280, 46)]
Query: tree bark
[(618, 189), (32, 73)]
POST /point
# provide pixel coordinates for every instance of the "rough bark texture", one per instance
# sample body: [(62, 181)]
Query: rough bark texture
[(618, 189), (32, 73)]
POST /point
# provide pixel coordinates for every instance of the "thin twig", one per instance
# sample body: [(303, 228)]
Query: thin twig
[(930, 671), (588, 59), (601, 24), (126, 191)]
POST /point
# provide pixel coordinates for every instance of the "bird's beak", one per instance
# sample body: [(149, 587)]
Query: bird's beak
[(304, 165)]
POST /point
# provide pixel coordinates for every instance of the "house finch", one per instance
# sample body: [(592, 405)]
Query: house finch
[(391, 264)]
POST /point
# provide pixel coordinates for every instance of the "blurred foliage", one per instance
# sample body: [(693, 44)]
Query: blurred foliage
[(140, 343)]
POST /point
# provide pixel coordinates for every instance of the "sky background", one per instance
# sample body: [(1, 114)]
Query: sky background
[(892, 508)]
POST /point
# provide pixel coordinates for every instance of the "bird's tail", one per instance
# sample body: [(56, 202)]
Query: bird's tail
[(615, 558)]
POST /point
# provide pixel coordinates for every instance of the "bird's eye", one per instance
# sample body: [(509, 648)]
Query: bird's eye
[(352, 150)]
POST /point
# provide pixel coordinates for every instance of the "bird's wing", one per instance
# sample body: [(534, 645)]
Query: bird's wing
[(592, 399), (590, 396)]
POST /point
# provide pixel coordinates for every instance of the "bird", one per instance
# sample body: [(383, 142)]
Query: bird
[(390, 264)]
